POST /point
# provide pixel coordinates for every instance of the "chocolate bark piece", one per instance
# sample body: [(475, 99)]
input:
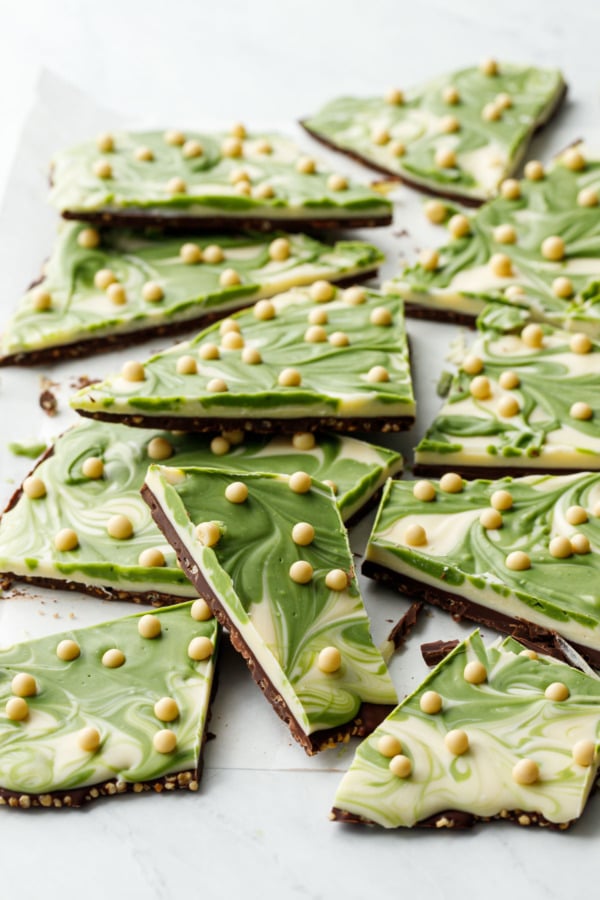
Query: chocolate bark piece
[(531, 253), (521, 402), (309, 359), (457, 136), (232, 182), (131, 286), (491, 733), (270, 556), (517, 554), (95, 470), (113, 708)]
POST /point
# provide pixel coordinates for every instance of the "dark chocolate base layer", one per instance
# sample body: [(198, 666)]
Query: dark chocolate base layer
[(527, 633), (102, 592), (460, 821), (120, 340), (369, 716), (257, 426), (451, 316), (182, 224)]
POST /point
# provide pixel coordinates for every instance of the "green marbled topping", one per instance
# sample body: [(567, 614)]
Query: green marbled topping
[(86, 504), (464, 280), (41, 754), (142, 186), (81, 311), (543, 432), (286, 625), (464, 557), (334, 379), (486, 151), (507, 718)]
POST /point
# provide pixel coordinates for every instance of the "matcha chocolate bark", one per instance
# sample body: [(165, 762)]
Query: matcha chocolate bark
[(84, 494), (309, 359), (108, 288), (493, 732), (519, 555), (270, 555), (459, 135), (533, 252), (519, 402), (114, 708), (218, 180)]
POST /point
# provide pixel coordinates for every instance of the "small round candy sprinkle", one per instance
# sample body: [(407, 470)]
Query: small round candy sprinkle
[(534, 170), (315, 334), (190, 254), (400, 766), (208, 533), (389, 745), (581, 410), (186, 365), (176, 185), (318, 317), (489, 67), (336, 580), (449, 124), (89, 739), (394, 96), (289, 378), (530, 654), (503, 100), (238, 130), (381, 316), (279, 249), (209, 351), (509, 380), (580, 544), (415, 535), (105, 142), (588, 197), (518, 561), (472, 364), (557, 691), (508, 406), (88, 238), (553, 248), (192, 149), (303, 534), (563, 287), (42, 300), (429, 259), (229, 278), (380, 136), (491, 112), (451, 95), (480, 387), (251, 356), (580, 343), (113, 658), (457, 741), (526, 771), (119, 527), (445, 158), (329, 660), (301, 571), (430, 703), (303, 440), (576, 515), (532, 336), (200, 648), (354, 295), (573, 159), (152, 292), (217, 386), (232, 147), (560, 547), (219, 446), (321, 291), (133, 371), (500, 265), (235, 436), (339, 339), (160, 448), (501, 500), (475, 672), (200, 610), (300, 482), (490, 519), (236, 492), (149, 626), (164, 741), (143, 154), (233, 340), (459, 226), (451, 483), (174, 138), (166, 709), (505, 234), (436, 211), (337, 182), (152, 558), (584, 752), (378, 375), (102, 169), (514, 292), (17, 709), (510, 189), (68, 650), (23, 685), (34, 487), (117, 294), (66, 539), (213, 254), (424, 490), (306, 165), (103, 278)]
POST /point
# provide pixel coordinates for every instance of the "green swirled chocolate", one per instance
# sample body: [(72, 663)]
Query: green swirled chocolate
[(85, 504), (484, 120), (284, 624), (507, 719), (77, 309), (548, 419), (564, 204), (41, 754), (356, 368), (209, 185), (551, 583)]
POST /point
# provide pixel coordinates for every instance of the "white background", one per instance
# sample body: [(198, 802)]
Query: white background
[(258, 826)]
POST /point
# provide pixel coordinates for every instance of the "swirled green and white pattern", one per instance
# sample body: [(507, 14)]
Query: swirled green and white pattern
[(543, 433), (462, 557), (464, 281), (41, 754), (507, 718), (209, 178), (334, 379), (284, 624), (486, 151), (81, 311), (72, 500)]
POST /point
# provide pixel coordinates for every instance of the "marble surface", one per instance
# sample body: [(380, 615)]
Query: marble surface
[(260, 820)]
